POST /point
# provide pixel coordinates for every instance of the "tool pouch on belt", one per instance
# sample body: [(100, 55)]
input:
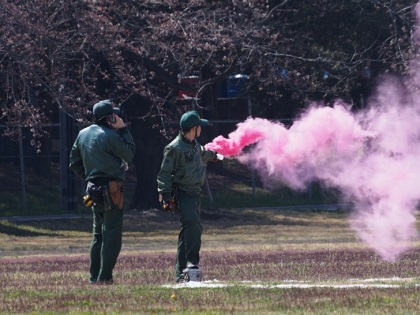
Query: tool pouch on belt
[(99, 195), (95, 192), (116, 191)]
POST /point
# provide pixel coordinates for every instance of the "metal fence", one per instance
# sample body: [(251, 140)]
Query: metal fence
[(27, 176), (31, 181), (34, 182)]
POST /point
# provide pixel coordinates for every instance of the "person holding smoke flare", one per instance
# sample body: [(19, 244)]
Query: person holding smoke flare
[(99, 155), (180, 181)]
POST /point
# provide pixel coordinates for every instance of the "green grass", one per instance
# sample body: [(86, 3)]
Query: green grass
[(57, 285), (239, 195), (39, 200), (258, 255), (230, 187), (242, 195), (234, 300)]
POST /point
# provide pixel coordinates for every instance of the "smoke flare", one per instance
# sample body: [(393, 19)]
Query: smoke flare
[(371, 156)]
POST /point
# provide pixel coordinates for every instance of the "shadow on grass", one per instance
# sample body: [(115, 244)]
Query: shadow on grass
[(16, 230), (146, 221)]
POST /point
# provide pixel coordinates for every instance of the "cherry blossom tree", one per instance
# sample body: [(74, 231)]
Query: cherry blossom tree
[(63, 56)]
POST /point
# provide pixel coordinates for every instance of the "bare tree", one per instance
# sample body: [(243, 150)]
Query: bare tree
[(65, 55)]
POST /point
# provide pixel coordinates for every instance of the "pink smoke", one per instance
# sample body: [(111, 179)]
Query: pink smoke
[(247, 133), (371, 156), (323, 137)]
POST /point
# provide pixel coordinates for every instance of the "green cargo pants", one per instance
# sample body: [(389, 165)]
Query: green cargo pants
[(189, 240), (106, 243)]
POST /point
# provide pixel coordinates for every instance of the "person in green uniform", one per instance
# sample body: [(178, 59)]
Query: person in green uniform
[(182, 174), (99, 155)]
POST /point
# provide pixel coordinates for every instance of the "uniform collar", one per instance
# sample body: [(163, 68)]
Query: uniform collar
[(186, 140)]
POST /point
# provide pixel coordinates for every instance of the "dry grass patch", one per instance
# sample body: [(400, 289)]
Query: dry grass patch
[(224, 230), (256, 254)]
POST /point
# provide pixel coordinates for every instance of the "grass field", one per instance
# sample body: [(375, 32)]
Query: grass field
[(254, 262)]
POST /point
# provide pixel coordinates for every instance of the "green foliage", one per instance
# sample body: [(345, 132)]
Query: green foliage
[(241, 196), (41, 201)]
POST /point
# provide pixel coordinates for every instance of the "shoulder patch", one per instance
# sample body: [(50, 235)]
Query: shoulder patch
[(169, 152), (189, 156)]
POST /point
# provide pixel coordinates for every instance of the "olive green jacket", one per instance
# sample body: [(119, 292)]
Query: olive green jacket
[(184, 164), (99, 152)]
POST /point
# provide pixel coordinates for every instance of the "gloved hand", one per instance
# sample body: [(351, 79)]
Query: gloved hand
[(217, 157), (167, 202), (169, 205)]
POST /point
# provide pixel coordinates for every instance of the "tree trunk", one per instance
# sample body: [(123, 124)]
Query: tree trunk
[(149, 150), (147, 162)]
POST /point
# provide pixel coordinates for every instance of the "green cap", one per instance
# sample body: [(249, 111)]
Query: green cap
[(192, 119), (104, 108)]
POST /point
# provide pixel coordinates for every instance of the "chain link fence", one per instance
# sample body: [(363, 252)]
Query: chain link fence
[(28, 178), (41, 183), (34, 182)]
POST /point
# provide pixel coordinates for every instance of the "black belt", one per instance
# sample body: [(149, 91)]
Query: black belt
[(100, 181)]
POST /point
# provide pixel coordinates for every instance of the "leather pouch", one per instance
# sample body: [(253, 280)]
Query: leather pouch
[(116, 191)]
